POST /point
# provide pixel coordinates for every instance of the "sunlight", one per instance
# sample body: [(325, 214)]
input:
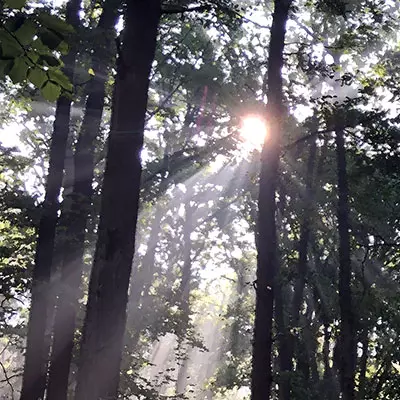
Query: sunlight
[(253, 131)]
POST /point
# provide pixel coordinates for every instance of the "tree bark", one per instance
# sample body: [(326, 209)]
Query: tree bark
[(78, 211), (267, 246), (347, 339), (101, 347), (37, 347)]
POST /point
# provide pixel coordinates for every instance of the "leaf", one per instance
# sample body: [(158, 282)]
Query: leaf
[(54, 23), (51, 91), (60, 78), (91, 72), (38, 45), (32, 57), (63, 47), (37, 76), (15, 4), (26, 32), (12, 24), (50, 39), (10, 48), (19, 70), (50, 60)]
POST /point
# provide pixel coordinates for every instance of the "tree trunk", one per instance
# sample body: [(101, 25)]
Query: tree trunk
[(141, 284), (267, 246), (284, 341), (37, 347), (78, 212), (101, 347), (347, 340)]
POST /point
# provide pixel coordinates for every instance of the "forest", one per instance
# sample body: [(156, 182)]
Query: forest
[(199, 199)]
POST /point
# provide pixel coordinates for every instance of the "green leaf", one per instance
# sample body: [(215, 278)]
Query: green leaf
[(32, 57), (51, 91), (12, 24), (54, 23), (26, 32), (10, 48), (50, 60), (37, 76), (50, 39), (38, 45), (15, 4), (60, 78), (19, 70), (63, 47)]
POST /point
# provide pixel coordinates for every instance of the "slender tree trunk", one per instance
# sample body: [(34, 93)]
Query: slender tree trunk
[(347, 339), (78, 213), (104, 326), (304, 237), (182, 297), (267, 246), (141, 284), (182, 379), (37, 348), (284, 341)]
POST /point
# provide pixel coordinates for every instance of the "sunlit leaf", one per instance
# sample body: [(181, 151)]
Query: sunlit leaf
[(37, 76), (51, 91)]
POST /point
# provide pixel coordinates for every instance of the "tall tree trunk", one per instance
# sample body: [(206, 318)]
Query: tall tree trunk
[(142, 281), (101, 347), (267, 246), (37, 347), (182, 297), (78, 212), (287, 342), (347, 339), (182, 379), (284, 341)]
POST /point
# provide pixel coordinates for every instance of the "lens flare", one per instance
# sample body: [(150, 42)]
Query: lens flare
[(253, 131)]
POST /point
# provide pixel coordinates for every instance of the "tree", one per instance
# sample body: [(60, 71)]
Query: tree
[(34, 381), (76, 213), (347, 334), (267, 245), (108, 290)]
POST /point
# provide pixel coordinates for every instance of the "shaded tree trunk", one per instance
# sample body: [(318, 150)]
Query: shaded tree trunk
[(37, 347), (142, 281), (267, 246), (347, 339), (101, 346), (182, 296), (287, 342), (78, 211)]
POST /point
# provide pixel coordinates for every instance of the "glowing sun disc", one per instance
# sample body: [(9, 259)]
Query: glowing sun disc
[(253, 131)]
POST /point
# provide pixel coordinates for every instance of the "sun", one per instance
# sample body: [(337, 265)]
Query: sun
[(253, 131)]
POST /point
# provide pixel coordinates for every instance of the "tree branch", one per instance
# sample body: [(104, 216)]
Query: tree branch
[(181, 9)]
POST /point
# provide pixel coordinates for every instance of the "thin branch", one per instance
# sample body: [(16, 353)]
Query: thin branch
[(305, 138), (182, 10), (164, 102), (8, 379)]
